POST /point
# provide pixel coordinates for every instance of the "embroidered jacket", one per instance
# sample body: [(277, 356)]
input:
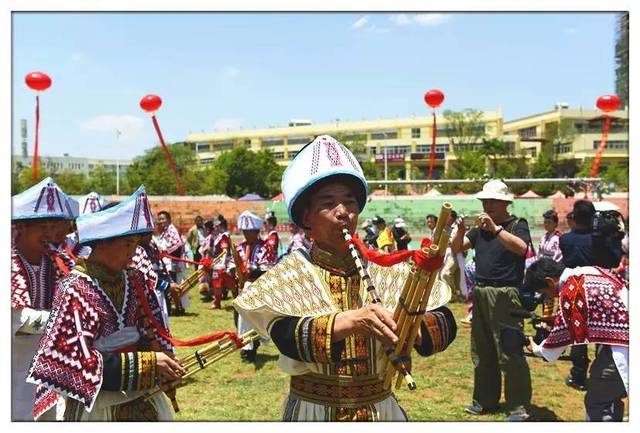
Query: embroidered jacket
[(90, 345), (272, 244), (591, 309)]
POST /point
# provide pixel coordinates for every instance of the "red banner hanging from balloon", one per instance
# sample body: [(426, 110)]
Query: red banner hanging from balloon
[(607, 104), (151, 104), (38, 81), (433, 98)]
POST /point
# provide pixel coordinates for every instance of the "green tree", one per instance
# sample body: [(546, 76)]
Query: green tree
[(468, 165), (249, 172), (544, 167), (464, 128), (72, 183), (25, 177), (617, 173), (513, 167), (101, 181), (152, 170), (557, 134), (493, 149), (356, 143)]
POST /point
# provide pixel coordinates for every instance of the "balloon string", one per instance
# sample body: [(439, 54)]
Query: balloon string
[(35, 145), (167, 154), (595, 167), (432, 158)]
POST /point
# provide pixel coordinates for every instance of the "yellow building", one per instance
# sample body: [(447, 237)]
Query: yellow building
[(406, 141), (572, 134)]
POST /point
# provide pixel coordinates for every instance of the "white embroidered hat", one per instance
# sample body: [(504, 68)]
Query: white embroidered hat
[(249, 221), (43, 200), (495, 189), (92, 202), (318, 160), (132, 216), (399, 222)]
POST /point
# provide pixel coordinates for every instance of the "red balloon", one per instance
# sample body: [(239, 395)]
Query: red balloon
[(434, 98), (38, 81), (150, 103), (608, 103)]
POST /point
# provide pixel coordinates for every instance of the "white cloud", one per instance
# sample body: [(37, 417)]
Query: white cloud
[(419, 19), (227, 124), (126, 124), (400, 19), (360, 23)]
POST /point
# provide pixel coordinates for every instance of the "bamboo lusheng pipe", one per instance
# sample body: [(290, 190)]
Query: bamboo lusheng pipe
[(206, 356), (414, 300), (191, 281)]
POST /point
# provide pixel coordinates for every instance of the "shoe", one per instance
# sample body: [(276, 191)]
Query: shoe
[(575, 384), (215, 306), (518, 416), (475, 409)]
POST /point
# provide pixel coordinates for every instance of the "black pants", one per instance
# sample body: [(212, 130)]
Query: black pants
[(605, 389), (580, 358)]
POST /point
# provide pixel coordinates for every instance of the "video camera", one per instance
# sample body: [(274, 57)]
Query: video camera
[(609, 223), (530, 300)]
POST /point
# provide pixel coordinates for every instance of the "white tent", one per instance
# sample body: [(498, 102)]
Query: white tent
[(433, 192), (602, 206)]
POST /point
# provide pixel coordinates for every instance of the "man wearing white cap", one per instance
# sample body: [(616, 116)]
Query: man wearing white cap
[(400, 234), (104, 347), (36, 268), (254, 261), (500, 243), (313, 304)]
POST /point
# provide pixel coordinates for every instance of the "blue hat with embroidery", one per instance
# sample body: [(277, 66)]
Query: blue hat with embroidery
[(324, 157), (131, 217), (43, 200), (92, 202)]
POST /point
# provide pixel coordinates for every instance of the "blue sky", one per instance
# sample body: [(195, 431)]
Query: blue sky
[(220, 70)]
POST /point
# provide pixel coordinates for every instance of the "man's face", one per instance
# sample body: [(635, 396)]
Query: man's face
[(431, 223), (550, 225), (494, 208), (163, 221), (119, 251), (251, 236), (61, 230), (331, 208), (199, 222), (34, 236)]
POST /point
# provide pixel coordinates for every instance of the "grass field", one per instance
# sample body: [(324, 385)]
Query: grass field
[(230, 390)]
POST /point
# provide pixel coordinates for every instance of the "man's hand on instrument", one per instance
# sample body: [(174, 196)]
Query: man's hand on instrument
[(486, 223), (168, 368), (174, 289), (375, 321)]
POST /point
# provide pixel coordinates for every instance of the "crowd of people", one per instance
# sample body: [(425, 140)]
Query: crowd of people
[(94, 285)]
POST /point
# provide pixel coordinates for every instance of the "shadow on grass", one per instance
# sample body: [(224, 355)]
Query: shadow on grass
[(185, 314), (539, 413), (263, 358)]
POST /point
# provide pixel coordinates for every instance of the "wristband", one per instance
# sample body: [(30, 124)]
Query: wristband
[(498, 231)]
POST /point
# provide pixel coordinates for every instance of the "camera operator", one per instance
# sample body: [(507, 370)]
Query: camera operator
[(593, 309), (582, 246)]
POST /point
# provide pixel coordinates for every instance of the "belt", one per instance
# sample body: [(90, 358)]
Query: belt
[(338, 391)]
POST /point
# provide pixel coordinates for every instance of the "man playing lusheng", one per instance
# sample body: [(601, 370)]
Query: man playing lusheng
[(104, 346), (36, 268), (312, 304), (500, 244)]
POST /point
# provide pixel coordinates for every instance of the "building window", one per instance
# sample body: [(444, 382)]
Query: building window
[(426, 148), (415, 132), (278, 155), (203, 147), (562, 148), (355, 136), (619, 144), (298, 140), (222, 145), (273, 141), (397, 149), (247, 142), (528, 132), (292, 154), (207, 161), (390, 134)]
